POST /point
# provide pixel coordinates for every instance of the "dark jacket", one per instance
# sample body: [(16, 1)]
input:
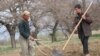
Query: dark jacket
[(85, 25), (24, 29)]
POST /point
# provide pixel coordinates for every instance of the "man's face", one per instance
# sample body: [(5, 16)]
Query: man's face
[(77, 10), (26, 17)]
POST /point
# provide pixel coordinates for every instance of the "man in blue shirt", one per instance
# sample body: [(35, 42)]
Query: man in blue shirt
[(26, 39)]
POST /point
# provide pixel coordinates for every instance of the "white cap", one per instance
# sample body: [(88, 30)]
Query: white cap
[(26, 13)]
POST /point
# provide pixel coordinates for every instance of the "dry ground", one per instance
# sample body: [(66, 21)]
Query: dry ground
[(73, 49)]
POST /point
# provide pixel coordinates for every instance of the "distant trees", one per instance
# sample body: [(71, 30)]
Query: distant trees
[(59, 12)]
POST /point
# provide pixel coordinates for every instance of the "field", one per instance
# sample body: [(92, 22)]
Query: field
[(74, 47)]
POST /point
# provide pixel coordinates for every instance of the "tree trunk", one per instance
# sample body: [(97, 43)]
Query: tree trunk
[(13, 41), (84, 4), (12, 35), (11, 30), (98, 1), (53, 35)]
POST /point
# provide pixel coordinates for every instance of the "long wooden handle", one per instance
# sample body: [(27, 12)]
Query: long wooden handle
[(77, 26)]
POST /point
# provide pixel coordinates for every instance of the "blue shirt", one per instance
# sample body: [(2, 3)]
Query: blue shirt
[(24, 29)]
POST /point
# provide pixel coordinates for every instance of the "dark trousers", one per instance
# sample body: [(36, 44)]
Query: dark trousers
[(84, 40), (85, 44)]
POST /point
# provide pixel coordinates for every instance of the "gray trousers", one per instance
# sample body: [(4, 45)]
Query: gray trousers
[(27, 47)]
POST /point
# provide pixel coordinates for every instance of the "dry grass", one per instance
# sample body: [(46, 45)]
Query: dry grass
[(73, 49)]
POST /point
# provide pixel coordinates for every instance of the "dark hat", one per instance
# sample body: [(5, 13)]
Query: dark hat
[(78, 6)]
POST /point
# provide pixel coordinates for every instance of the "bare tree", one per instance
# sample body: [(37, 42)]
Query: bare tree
[(12, 8)]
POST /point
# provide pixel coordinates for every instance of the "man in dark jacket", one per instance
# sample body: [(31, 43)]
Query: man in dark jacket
[(84, 29), (26, 39)]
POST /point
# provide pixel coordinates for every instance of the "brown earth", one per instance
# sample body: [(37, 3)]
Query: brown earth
[(71, 50)]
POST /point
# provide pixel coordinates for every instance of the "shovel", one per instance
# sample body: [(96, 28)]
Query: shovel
[(39, 48), (56, 52)]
